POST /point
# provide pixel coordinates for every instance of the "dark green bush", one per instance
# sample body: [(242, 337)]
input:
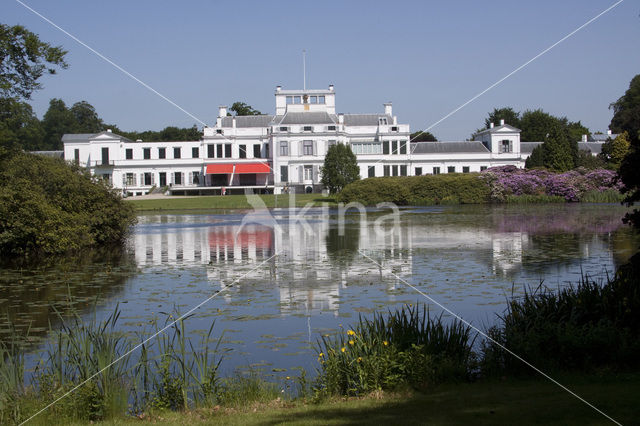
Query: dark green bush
[(452, 188), (50, 207), (576, 328)]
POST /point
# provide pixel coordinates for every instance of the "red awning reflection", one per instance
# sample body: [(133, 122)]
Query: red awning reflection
[(226, 237)]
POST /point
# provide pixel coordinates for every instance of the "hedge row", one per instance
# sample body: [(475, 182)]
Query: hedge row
[(451, 188)]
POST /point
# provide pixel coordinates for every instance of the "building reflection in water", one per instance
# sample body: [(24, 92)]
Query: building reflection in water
[(309, 266)]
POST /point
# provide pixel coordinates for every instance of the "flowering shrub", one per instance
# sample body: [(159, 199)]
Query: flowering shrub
[(506, 181)]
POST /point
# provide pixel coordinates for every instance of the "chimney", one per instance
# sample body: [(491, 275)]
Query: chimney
[(608, 132), (395, 120), (278, 88), (491, 125), (233, 122), (584, 138), (331, 87), (222, 111), (108, 130), (502, 122), (138, 140), (341, 118), (388, 110)]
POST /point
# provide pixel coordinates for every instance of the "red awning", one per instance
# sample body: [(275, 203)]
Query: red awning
[(244, 168), (214, 169)]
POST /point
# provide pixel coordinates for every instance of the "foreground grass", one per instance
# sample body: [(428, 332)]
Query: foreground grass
[(225, 202), (512, 401)]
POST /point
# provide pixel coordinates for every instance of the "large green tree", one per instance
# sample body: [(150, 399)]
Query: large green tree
[(421, 136), (615, 150), (24, 58), (507, 114), (626, 118), (19, 126), (559, 151), (86, 118), (57, 121), (340, 168), (240, 108)]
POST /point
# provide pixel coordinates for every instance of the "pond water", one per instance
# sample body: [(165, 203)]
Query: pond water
[(276, 283)]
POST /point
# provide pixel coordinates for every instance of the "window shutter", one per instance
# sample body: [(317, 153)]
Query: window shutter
[(300, 174), (510, 146), (141, 179), (153, 178), (172, 178), (191, 178), (315, 172), (315, 147), (300, 148), (135, 183), (124, 179)]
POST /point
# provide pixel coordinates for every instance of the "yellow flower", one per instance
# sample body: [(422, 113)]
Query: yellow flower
[(343, 349), (351, 333), (351, 342), (359, 358), (288, 378), (385, 343), (321, 354)]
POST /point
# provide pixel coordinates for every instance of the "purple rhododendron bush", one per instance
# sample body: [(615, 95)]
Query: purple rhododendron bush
[(506, 181)]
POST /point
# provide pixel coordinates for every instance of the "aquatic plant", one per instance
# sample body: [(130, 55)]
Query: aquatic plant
[(405, 347)]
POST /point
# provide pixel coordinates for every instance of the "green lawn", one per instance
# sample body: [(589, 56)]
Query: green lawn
[(508, 402), (224, 202)]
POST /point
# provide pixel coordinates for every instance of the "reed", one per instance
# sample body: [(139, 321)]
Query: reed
[(406, 347)]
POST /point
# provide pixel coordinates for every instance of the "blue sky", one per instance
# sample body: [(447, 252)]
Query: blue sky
[(426, 57)]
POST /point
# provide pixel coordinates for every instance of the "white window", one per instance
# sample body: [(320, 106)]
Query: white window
[(506, 146), (313, 99), (297, 99), (382, 121), (289, 99), (307, 148), (359, 148), (284, 148), (130, 179), (308, 172), (307, 129), (321, 99)]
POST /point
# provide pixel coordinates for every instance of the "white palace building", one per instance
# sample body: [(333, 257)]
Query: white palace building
[(285, 151)]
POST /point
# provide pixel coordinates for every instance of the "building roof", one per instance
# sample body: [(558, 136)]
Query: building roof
[(248, 120), (81, 137), (594, 147), (365, 119), (55, 154), (504, 127), (317, 117), (447, 147), (527, 147), (601, 137)]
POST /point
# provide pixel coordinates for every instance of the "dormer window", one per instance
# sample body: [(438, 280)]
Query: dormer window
[(394, 129), (294, 100), (284, 129), (307, 129), (506, 146), (382, 121), (331, 128), (219, 131)]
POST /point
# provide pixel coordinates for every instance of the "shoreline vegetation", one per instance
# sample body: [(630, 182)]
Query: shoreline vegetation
[(49, 207), (587, 333), (499, 185)]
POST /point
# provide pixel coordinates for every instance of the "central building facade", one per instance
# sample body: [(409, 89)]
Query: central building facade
[(285, 151)]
